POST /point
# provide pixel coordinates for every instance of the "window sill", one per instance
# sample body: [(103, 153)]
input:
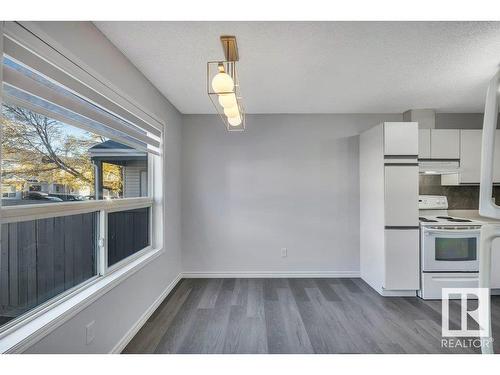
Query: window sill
[(26, 333)]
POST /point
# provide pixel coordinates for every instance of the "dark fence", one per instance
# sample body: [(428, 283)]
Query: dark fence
[(128, 232), (42, 258)]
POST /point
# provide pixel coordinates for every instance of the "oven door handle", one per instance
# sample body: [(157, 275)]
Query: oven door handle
[(452, 231)]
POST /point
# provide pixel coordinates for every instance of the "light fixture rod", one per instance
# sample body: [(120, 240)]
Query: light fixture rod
[(230, 47)]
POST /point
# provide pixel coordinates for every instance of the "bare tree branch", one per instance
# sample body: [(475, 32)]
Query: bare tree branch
[(45, 130)]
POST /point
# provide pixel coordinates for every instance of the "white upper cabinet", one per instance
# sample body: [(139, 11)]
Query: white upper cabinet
[(401, 138), (470, 156), (438, 143), (496, 158), (445, 143), (495, 264), (424, 143)]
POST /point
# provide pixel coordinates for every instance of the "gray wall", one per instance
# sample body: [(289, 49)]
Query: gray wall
[(460, 121), (288, 181), (116, 312)]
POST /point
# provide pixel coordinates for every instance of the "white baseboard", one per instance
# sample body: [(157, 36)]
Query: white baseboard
[(269, 274), (398, 293), (144, 318), (390, 292)]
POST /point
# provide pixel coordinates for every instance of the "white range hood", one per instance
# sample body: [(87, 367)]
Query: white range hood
[(439, 167)]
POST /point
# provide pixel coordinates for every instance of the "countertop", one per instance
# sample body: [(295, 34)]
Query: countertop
[(472, 215)]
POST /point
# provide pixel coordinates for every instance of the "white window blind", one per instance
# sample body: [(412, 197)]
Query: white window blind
[(33, 82)]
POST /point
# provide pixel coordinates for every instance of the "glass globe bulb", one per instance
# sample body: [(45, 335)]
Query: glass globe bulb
[(232, 111), (227, 100), (222, 82), (234, 121)]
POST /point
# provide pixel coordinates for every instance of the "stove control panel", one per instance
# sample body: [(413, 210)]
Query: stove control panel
[(432, 202)]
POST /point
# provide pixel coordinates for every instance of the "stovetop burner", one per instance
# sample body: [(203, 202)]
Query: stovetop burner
[(425, 220), (454, 219)]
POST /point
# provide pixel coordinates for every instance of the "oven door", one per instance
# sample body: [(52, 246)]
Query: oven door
[(450, 250)]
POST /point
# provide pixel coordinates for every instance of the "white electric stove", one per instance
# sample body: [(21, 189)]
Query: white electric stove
[(449, 248)]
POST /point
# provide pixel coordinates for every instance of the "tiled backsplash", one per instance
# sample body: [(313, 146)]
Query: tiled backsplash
[(462, 197)]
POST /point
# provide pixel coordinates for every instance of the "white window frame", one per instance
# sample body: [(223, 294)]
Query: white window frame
[(154, 200)]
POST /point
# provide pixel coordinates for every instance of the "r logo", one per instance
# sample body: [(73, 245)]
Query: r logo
[(480, 315)]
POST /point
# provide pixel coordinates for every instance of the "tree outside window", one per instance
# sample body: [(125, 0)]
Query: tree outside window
[(41, 155)]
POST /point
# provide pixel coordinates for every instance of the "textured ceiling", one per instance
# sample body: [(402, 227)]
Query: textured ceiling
[(320, 67)]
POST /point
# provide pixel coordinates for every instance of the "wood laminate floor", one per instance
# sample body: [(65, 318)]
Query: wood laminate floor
[(294, 316)]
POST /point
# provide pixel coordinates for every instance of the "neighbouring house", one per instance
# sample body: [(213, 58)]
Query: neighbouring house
[(134, 165), (48, 187), (33, 185)]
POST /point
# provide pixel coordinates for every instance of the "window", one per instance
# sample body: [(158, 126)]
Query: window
[(43, 258), (48, 161), (77, 185)]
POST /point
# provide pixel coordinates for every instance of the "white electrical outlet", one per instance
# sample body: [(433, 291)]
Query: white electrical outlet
[(284, 252), (90, 332)]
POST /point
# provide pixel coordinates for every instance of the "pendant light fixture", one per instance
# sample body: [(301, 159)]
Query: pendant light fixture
[(223, 86)]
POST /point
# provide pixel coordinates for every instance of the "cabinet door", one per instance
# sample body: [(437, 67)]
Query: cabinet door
[(470, 156), (401, 195), (424, 143), (496, 159), (495, 264), (445, 143), (400, 138), (402, 266)]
